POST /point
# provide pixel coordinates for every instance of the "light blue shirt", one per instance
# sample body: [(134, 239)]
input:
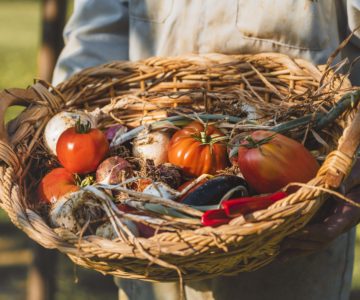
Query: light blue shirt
[(106, 30)]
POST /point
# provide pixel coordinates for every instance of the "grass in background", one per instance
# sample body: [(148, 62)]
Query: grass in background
[(19, 38), (356, 278)]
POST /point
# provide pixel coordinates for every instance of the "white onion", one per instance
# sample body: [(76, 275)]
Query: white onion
[(62, 121), (153, 146)]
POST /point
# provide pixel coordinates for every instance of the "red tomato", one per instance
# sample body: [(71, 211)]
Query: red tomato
[(55, 184), (198, 151), (270, 164), (81, 151)]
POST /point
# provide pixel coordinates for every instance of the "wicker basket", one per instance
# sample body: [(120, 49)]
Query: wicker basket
[(137, 92)]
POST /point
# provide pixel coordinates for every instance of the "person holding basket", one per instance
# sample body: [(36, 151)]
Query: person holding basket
[(316, 262)]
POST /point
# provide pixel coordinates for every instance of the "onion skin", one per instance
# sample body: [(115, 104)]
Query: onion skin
[(113, 130)]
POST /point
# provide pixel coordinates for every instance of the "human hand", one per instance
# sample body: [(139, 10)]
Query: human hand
[(337, 217)]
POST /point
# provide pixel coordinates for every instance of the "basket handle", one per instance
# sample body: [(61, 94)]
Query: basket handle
[(344, 155), (12, 97), (8, 98)]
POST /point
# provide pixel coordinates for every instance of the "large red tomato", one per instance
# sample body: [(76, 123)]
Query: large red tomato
[(198, 150), (80, 149), (55, 184), (270, 161)]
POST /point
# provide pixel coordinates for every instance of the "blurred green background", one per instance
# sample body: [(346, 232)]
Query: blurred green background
[(19, 40), (20, 29)]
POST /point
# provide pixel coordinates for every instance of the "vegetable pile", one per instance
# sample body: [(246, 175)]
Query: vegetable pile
[(142, 179)]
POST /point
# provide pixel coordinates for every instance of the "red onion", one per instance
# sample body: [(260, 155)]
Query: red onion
[(113, 170), (115, 130)]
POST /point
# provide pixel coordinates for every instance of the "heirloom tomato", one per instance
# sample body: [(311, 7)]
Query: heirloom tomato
[(56, 184), (80, 149), (198, 149), (269, 161)]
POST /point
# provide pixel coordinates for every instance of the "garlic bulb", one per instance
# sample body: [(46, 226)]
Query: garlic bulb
[(74, 210), (62, 121), (107, 230)]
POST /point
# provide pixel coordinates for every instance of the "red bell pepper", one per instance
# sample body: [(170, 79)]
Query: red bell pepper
[(214, 217), (245, 205)]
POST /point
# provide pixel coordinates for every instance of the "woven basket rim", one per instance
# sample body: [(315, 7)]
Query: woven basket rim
[(220, 243)]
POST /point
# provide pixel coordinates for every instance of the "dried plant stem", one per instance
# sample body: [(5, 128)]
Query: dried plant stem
[(146, 198)]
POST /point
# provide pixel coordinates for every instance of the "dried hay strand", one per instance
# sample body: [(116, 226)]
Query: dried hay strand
[(316, 105)]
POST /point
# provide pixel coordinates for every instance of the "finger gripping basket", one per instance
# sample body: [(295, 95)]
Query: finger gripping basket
[(139, 92)]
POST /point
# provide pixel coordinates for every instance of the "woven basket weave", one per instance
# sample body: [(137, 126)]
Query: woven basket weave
[(137, 92)]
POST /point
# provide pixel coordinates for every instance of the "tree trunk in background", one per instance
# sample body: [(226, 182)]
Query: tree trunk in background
[(41, 279), (53, 21), (41, 283)]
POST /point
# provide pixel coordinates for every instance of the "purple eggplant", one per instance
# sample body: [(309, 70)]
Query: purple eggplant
[(212, 191)]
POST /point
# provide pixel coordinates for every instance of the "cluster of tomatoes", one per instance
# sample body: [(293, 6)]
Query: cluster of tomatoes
[(268, 161), (80, 149)]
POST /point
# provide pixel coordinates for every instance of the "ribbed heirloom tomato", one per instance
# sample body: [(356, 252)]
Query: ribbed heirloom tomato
[(55, 184), (269, 161), (198, 150), (80, 149)]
